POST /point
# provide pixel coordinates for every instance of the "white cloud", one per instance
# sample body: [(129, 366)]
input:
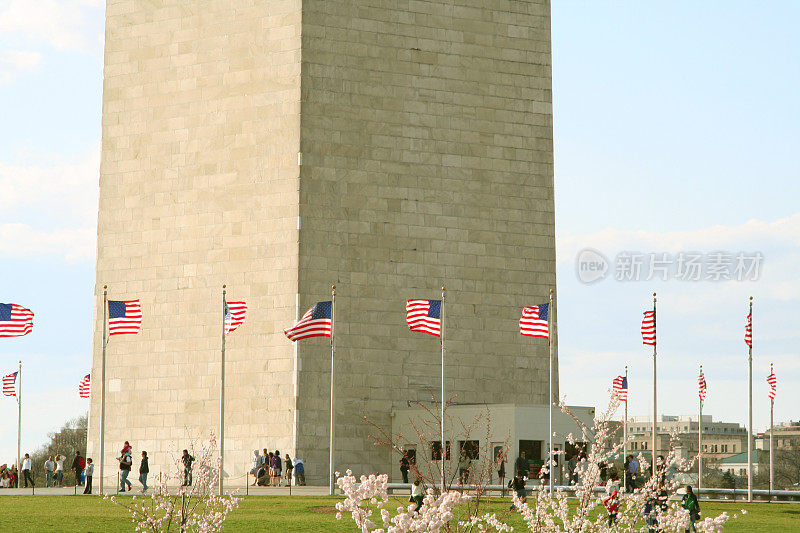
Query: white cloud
[(49, 187), (14, 63), (50, 209), (778, 242), (755, 234), (21, 240), (62, 24)]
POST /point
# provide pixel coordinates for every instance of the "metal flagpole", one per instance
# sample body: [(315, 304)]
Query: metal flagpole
[(222, 397), (551, 316), (625, 434), (750, 413), (19, 422), (103, 386), (771, 423), (333, 353), (443, 451), (655, 387), (700, 442)]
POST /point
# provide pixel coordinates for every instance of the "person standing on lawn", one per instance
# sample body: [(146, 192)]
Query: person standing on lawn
[(276, 468), (89, 474), (464, 467), (78, 464), (289, 467), (690, 503), (501, 467), (125, 464), (404, 467), (611, 504), (60, 469), (49, 471), (26, 471), (187, 468), (268, 460), (631, 471), (144, 469), (521, 465), (258, 460)]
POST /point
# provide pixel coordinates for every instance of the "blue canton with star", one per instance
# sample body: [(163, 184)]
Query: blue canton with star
[(116, 309)]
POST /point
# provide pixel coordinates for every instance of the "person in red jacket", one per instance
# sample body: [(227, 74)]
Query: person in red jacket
[(612, 506)]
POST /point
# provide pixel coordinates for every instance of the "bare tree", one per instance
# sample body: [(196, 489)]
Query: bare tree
[(66, 441)]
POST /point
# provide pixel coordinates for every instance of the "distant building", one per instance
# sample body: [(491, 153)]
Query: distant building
[(737, 464), (720, 439), (786, 436)]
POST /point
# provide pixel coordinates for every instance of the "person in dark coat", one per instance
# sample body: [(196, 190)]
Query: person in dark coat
[(187, 461), (405, 465), (517, 484), (144, 469), (78, 464), (521, 465)]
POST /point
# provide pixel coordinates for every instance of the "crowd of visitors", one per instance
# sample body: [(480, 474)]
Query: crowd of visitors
[(270, 470), (83, 471), (53, 470), (8, 476)]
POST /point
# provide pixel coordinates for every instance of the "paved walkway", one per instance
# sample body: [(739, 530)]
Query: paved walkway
[(240, 491)]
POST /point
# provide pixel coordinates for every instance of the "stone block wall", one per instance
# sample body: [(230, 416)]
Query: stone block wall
[(198, 188), (426, 133)]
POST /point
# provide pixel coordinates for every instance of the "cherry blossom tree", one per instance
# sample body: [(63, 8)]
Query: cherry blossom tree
[(580, 508), (196, 508)]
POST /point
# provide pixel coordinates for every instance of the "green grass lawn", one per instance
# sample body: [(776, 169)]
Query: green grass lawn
[(280, 514)]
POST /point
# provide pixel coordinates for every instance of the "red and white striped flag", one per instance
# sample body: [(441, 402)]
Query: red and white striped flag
[(702, 389), (84, 386), (773, 385), (15, 320), (10, 384), (425, 316), (534, 321), (316, 322), (124, 317), (649, 328), (234, 315), (748, 331), (621, 388)]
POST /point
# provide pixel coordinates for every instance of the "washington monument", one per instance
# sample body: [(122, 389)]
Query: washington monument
[(282, 146)]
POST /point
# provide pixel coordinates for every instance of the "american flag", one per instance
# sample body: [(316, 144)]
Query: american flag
[(124, 317), (748, 331), (621, 388), (773, 385), (84, 386), (10, 384), (702, 389), (534, 321), (649, 328), (425, 316), (15, 320), (234, 315), (316, 322)]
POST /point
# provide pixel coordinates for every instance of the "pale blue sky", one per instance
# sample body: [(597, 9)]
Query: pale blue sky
[(676, 129)]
